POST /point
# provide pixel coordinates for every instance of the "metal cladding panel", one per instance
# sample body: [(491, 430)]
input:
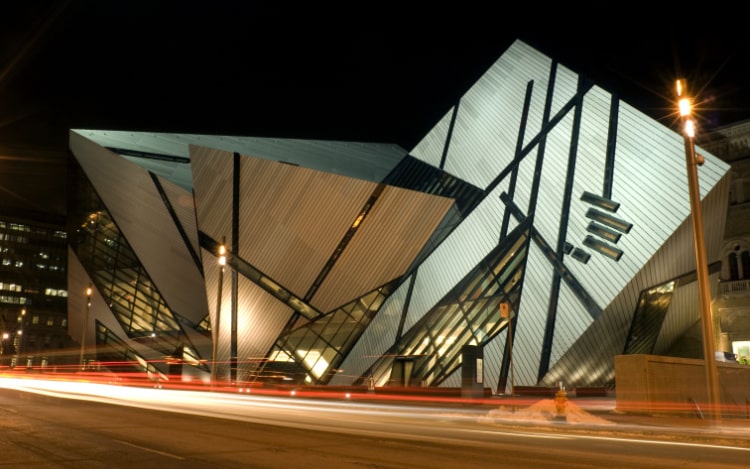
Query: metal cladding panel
[(184, 209), (479, 147), (469, 243), (145, 142), (591, 151), (493, 360), (532, 316), (454, 380), (566, 86), (293, 219), (684, 312), (369, 161), (178, 173), (649, 161), (375, 342), (211, 274), (98, 312), (212, 180), (78, 282), (549, 200), (589, 361), (135, 204), (648, 181), (430, 148), (388, 240), (714, 209), (488, 121), (572, 320), (260, 319)]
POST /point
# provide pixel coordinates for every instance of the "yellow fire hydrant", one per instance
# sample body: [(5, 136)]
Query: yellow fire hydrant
[(561, 403)]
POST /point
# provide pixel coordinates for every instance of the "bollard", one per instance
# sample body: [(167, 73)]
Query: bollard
[(561, 402)]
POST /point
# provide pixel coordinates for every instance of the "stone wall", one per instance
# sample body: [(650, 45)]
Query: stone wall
[(650, 384)]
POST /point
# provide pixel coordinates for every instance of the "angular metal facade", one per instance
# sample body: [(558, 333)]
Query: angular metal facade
[(538, 193)]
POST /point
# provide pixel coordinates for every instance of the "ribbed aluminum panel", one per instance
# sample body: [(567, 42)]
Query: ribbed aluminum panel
[(652, 192), (289, 213), (588, 362), (375, 341), (714, 210), (135, 204), (532, 317), (78, 281), (430, 148), (212, 179), (649, 182), (179, 173), (549, 210), (368, 161), (397, 228), (454, 380), (455, 257), (493, 359), (184, 209), (211, 275), (488, 121), (566, 87), (572, 320), (260, 320), (684, 312)]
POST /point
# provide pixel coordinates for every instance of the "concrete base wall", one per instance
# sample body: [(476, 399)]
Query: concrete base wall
[(651, 384)]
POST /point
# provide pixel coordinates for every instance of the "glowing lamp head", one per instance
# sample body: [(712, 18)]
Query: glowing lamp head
[(690, 128), (685, 107), (680, 87), (222, 255), (683, 100)]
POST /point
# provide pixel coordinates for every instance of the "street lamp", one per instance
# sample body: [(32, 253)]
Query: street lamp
[(505, 314), (20, 333), (701, 263), (85, 322), (6, 337), (222, 254)]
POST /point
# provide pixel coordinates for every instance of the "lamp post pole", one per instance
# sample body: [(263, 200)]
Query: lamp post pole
[(20, 332), (6, 337), (85, 323), (701, 262), (215, 328), (505, 314)]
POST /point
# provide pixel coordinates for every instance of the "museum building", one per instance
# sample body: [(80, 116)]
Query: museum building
[(542, 227)]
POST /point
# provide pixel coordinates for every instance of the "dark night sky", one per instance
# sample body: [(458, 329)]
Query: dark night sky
[(345, 71)]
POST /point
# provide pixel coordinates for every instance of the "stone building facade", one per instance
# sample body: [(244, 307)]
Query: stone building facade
[(731, 305)]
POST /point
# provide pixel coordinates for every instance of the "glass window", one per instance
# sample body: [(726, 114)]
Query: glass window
[(734, 273), (745, 258)]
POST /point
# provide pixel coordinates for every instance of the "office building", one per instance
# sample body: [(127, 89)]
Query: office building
[(33, 290)]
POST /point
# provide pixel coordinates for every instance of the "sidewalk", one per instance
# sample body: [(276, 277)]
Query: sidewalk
[(599, 415)]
